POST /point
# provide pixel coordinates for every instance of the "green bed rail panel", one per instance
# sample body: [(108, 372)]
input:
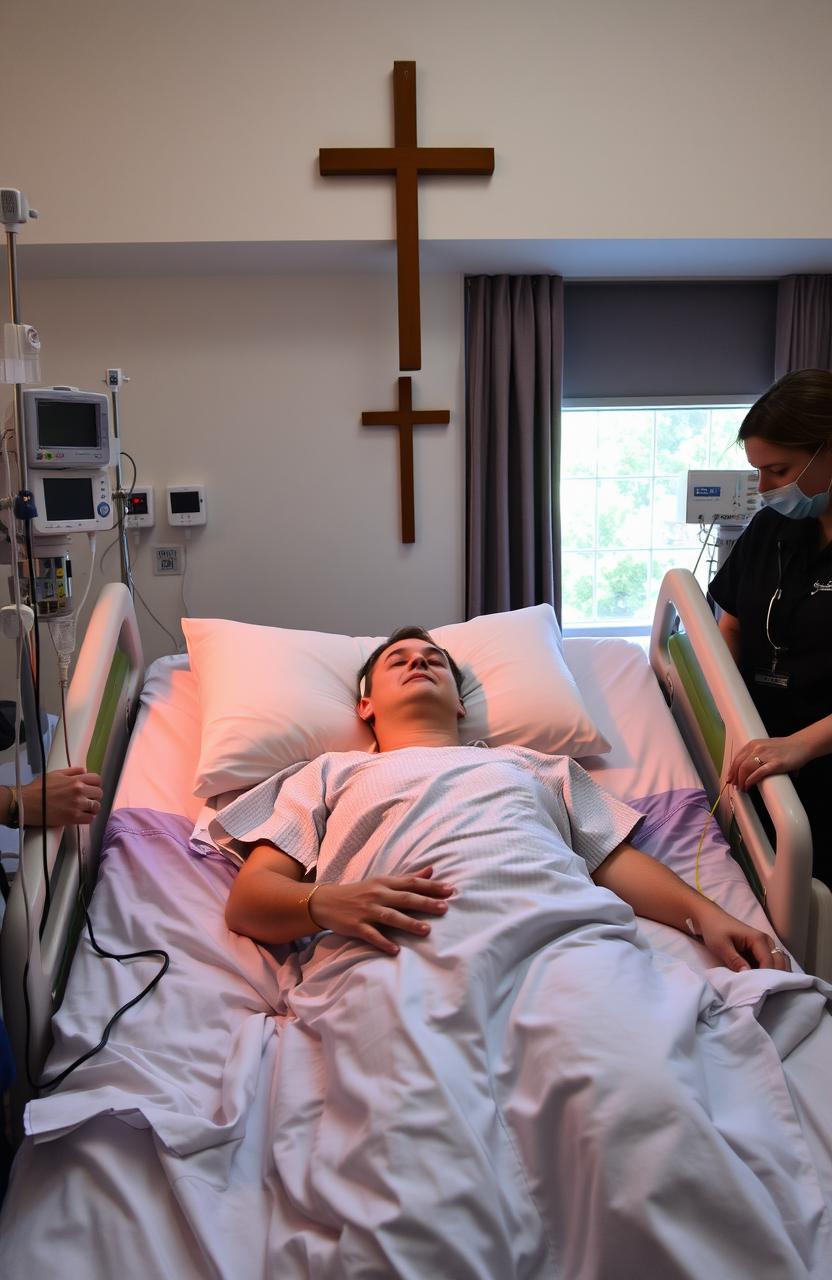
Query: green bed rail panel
[(713, 734), (114, 688), (72, 936), (119, 671), (699, 696), (740, 855)]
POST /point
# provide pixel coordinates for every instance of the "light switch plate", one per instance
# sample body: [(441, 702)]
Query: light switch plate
[(168, 560)]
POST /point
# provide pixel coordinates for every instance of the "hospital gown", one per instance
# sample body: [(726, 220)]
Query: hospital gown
[(529, 1091)]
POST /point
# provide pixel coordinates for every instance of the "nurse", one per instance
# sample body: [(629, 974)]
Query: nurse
[(776, 593)]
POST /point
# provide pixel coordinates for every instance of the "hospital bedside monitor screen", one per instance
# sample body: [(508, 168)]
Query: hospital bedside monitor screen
[(63, 424), (182, 504), (69, 499)]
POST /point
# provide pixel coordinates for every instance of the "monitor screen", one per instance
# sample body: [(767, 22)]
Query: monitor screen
[(185, 503), (66, 424), (69, 499)]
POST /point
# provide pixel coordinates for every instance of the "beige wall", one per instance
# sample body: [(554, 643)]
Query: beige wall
[(189, 120), (141, 121), (254, 388)]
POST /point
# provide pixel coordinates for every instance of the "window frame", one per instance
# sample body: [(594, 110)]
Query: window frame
[(636, 630)]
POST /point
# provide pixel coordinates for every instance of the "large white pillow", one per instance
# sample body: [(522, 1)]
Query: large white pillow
[(270, 696)]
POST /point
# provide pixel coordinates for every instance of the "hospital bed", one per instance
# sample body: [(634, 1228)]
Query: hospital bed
[(108, 1187), (716, 716)]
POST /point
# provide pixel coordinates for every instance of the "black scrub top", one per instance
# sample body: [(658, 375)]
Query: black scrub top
[(793, 688), (776, 551)]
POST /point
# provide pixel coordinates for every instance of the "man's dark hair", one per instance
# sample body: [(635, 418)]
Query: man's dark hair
[(403, 633)]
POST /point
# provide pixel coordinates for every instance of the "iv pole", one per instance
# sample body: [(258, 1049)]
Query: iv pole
[(14, 213), (114, 380)]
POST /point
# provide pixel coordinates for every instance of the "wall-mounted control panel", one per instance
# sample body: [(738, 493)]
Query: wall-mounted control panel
[(138, 508), (186, 505)]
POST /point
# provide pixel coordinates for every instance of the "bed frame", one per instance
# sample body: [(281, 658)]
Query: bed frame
[(693, 666), (101, 706), (716, 716)]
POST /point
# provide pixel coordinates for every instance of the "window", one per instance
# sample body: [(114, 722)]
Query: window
[(621, 470)]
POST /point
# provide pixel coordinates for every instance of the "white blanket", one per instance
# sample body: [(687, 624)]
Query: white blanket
[(530, 1091)]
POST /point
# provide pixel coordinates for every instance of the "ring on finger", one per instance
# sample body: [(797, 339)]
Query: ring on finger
[(757, 760)]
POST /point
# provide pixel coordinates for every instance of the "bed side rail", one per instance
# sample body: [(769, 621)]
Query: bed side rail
[(716, 715), (101, 704)]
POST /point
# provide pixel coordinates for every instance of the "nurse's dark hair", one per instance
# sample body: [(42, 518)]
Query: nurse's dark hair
[(795, 413), (403, 633)]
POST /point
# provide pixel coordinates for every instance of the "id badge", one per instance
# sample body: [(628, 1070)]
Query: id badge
[(773, 679)]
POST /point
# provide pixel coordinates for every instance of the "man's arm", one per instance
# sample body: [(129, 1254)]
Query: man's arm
[(266, 899), (268, 902), (656, 892)]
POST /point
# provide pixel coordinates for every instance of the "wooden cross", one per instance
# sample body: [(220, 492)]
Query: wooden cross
[(406, 160), (406, 419)]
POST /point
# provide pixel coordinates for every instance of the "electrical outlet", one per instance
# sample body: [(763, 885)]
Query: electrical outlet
[(168, 560), (138, 508)]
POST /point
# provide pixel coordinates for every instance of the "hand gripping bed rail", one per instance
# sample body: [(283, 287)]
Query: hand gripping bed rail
[(716, 716), (101, 703)]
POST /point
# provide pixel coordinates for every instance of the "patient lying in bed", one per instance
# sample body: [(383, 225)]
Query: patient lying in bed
[(493, 1074), (346, 816)]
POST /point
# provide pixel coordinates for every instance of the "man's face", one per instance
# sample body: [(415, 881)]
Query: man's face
[(411, 673)]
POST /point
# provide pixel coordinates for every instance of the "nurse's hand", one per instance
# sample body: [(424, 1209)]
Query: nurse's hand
[(73, 798), (738, 945), (762, 757)]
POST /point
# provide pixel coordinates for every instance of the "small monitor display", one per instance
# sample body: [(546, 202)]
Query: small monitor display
[(185, 503), (66, 424), (69, 499), (137, 504)]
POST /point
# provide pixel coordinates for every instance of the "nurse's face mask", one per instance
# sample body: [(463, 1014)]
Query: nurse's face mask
[(790, 500)]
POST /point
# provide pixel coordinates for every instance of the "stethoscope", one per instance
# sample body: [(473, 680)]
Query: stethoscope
[(776, 649)]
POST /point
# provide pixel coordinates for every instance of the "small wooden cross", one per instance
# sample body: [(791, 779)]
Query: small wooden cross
[(406, 419), (406, 161)]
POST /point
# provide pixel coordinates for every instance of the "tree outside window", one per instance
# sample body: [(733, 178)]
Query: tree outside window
[(621, 472)]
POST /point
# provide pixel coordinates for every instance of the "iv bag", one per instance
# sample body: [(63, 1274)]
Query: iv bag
[(20, 353)]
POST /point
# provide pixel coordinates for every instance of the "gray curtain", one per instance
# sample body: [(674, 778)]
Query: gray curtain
[(513, 384), (804, 324)]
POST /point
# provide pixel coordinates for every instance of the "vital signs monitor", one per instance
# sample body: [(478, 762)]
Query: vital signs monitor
[(66, 428), (79, 502)]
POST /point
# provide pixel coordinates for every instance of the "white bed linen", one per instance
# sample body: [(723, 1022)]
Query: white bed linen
[(649, 758), (614, 677), (622, 695), (62, 1189), (163, 752)]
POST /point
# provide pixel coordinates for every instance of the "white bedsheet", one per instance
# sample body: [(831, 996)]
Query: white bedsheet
[(615, 679), (245, 1172), (162, 754), (649, 758), (623, 697), (401, 1117)]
